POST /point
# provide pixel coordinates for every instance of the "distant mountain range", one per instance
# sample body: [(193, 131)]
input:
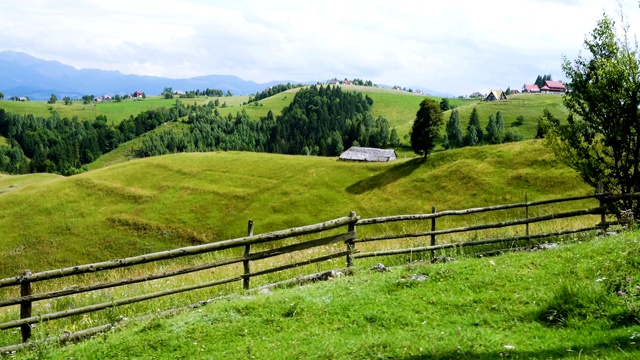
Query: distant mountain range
[(24, 75)]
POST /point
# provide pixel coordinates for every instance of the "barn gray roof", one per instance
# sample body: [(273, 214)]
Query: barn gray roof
[(356, 153)]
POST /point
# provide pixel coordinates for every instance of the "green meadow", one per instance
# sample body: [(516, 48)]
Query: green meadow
[(119, 210)]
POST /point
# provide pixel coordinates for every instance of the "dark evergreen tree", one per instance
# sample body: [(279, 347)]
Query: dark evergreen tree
[(454, 130), (474, 120), (426, 128)]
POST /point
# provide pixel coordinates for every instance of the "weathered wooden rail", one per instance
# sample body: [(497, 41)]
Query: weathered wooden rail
[(350, 253)]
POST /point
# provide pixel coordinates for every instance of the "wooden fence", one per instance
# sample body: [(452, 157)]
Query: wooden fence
[(348, 238)]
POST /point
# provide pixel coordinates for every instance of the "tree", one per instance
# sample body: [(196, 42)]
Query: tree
[(508, 91), (426, 128), (117, 98), (53, 99), (500, 127), (491, 130), (394, 139), (67, 100), (444, 104), (454, 130), (474, 120), (1, 96), (87, 99), (167, 93), (601, 138)]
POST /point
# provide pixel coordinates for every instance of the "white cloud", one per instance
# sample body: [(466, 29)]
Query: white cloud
[(452, 46)]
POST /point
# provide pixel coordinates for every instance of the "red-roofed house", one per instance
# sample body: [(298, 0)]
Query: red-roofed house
[(551, 86), (137, 94), (530, 88)]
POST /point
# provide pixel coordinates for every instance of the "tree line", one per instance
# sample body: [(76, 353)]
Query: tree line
[(273, 90), (62, 145)]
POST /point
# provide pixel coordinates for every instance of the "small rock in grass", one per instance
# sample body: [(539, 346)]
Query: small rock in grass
[(419, 277), (379, 268)]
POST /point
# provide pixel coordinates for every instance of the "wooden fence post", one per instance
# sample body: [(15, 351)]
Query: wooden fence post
[(433, 228), (25, 307), (245, 263), (351, 246), (603, 218), (526, 212)]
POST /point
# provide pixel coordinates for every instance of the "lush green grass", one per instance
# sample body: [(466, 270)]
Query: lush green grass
[(560, 303), (121, 210), (3, 141)]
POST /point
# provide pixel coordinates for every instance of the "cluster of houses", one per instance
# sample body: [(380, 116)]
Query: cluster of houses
[(549, 87)]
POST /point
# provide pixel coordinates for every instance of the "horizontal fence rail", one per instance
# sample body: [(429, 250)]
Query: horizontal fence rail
[(348, 237)]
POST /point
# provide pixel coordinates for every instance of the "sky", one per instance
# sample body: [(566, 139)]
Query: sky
[(454, 47)]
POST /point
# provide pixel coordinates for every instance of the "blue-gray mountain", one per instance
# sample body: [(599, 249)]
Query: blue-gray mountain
[(25, 75)]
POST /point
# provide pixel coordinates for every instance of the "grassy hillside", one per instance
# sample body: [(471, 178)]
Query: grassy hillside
[(114, 111), (560, 303), (162, 202)]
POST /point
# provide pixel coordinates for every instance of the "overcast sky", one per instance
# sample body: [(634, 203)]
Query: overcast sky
[(451, 46)]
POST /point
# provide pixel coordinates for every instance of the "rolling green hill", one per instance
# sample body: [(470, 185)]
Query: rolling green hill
[(163, 202)]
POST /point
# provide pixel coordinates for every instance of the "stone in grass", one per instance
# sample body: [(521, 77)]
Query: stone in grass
[(379, 268), (419, 277)]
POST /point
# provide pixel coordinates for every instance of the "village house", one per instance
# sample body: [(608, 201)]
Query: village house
[(137, 94), (496, 95), (530, 88), (356, 153), (553, 87)]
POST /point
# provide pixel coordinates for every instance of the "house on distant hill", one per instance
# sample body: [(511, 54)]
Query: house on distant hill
[(496, 95), (530, 88), (137, 94), (356, 153), (553, 87), (476, 94)]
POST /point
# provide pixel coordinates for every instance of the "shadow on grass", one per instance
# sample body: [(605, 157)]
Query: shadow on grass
[(385, 178), (621, 344)]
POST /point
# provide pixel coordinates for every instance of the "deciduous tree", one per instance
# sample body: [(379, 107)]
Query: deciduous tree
[(601, 138), (426, 128)]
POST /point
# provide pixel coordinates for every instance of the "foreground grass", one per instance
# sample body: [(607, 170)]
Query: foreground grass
[(547, 304)]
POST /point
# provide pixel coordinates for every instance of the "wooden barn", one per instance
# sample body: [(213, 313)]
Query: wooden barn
[(496, 95), (356, 153)]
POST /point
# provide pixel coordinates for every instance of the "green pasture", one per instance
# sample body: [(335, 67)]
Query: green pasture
[(157, 203)]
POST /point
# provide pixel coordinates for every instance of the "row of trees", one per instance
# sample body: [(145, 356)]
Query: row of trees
[(495, 131)]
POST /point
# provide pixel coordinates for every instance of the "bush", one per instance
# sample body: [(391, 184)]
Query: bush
[(513, 135)]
